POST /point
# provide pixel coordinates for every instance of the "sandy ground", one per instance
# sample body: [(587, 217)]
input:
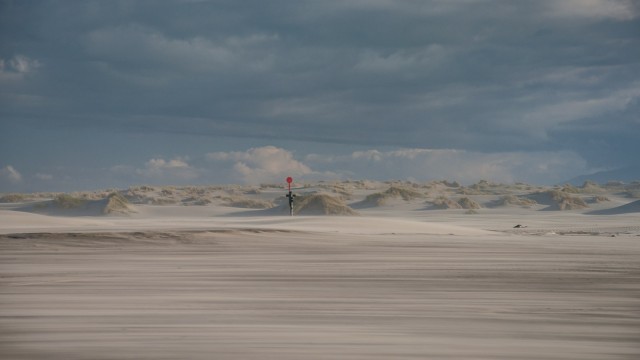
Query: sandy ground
[(170, 280), (438, 286)]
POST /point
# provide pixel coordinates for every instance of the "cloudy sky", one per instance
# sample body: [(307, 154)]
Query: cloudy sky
[(97, 94)]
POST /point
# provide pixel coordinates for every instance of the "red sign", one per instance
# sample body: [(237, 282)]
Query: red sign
[(289, 180)]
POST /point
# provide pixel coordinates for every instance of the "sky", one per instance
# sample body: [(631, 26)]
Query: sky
[(111, 94)]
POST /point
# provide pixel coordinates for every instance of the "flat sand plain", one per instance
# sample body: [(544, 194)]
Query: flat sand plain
[(394, 283)]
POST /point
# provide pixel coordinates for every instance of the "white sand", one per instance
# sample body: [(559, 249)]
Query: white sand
[(213, 282)]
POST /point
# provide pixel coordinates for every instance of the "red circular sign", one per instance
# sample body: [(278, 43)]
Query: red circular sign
[(289, 179)]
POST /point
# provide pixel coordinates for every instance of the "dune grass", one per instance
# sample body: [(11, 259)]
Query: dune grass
[(566, 201), (443, 202), (13, 198), (514, 200), (321, 204), (248, 203), (116, 204), (66, 201), (393, 192)]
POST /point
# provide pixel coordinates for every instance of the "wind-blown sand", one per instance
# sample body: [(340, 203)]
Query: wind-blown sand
[(396, 282)]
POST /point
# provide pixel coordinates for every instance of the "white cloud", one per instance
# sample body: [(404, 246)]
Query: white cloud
[(142, 46), (460, 165), (420, 60), (433, 7), (160, 170), (23, 64), (594, 9), (10, 174), (273, 164), (547, 116), (159, 164), (17, 67), (262, 164)]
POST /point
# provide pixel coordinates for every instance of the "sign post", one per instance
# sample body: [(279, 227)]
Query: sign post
[(290, 196)]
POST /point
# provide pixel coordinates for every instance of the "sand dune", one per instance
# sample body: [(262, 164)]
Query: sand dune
[(67, 205), (393, 193), (630, 208), (321, 204)]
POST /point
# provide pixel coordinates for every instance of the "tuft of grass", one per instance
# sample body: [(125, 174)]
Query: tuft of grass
[(321, 204), (484, 187), (166, 192), (337, 188), (599, 199), (116, 203), (565, 201), (517, 201), (590, 187), (568, 188), (66, 201), (467, 203), (13, 198), (443, 202), (393, 192), (162, 201), (246, 203)]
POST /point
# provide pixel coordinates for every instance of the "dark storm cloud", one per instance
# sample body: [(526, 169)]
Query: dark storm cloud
[(478, 75)]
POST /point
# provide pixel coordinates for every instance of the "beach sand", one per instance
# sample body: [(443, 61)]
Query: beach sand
[(209, 283)]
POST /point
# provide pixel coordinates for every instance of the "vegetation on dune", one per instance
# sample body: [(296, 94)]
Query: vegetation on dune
[(116, 204), (444, 203), (590, 187), (363, 184), (567, 202), (516, 201), (65, 201), (140, 194), (484, 187), (162, 201), (453, 184), (113, 203), (557, 199), (633, 190), (452, 196), (195, 191), (569, 189), (393, 192), (441, 185), (248, 203), (599, 199), (13, 198), (467, 203), (337, 188), (321, 204), (166, 192), (195, 200)]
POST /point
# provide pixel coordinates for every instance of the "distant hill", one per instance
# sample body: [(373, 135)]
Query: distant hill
[(627, 175)]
